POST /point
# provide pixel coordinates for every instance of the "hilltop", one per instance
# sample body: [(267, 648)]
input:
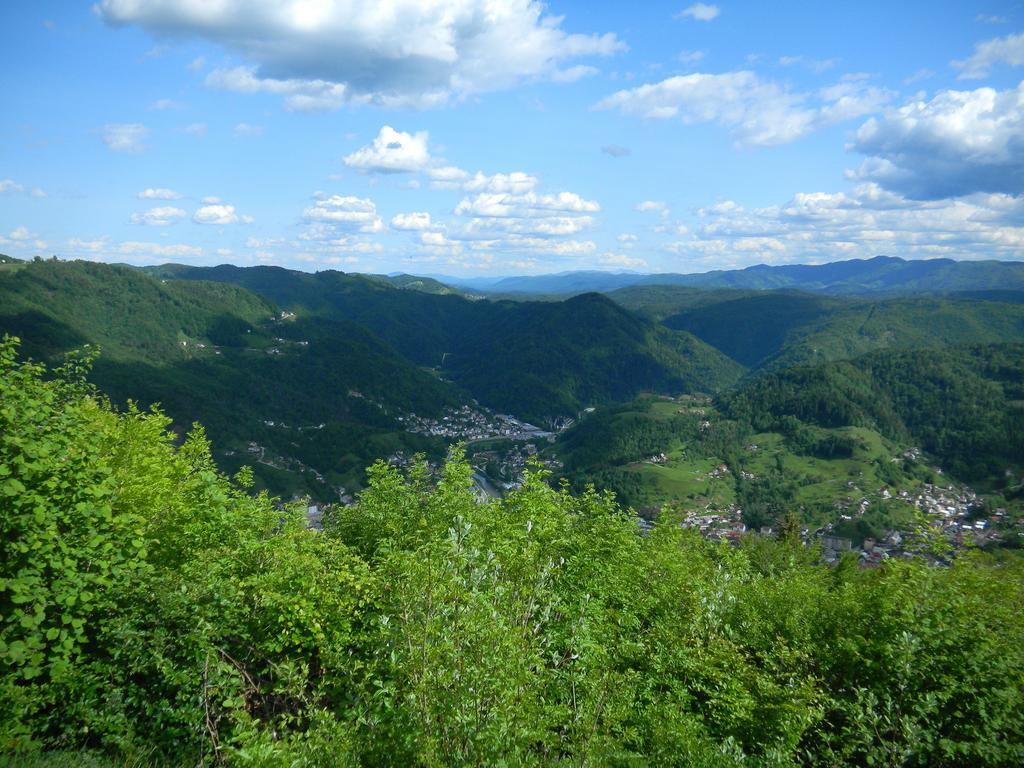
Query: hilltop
[(876, 276)]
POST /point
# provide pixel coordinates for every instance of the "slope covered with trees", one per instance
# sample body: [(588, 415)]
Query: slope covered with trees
[(219, 354), (534, 359), (425, 628), (780, 329), (962, 405)]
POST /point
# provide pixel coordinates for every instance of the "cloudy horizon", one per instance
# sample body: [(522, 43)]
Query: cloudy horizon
[(470, 138)]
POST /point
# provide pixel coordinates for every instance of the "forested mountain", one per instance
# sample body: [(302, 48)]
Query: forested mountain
[(880, 275), (778, 329), (549, 359), (340, 350), (221, 355), (534, 359), (962, 404)]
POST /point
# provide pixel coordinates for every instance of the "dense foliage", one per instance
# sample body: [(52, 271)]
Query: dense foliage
[(962, 405), (777, 330), (534, 359), (211, 352), (150, 607)]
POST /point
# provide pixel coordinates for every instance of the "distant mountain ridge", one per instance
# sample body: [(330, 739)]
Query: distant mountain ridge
[(878, 275)]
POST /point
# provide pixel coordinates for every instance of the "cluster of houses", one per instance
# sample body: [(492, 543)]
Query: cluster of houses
[(954, 514), (469, 423), (261, 455), (507, 468)]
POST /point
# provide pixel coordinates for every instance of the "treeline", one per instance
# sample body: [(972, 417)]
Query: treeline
[(152, 610), (962, 405)]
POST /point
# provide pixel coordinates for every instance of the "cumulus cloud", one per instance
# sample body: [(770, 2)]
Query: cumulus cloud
[(700, 12), (392, 152), (195, 129), (957, 143), (130, 250), (161, 216), (158, 193), (411, 221), (219, 213), (1002, 50), (320, 55), (125, 137), (345, 211), (756, 111), (530, 204), (11, 187), (299, 95), (862, 223)]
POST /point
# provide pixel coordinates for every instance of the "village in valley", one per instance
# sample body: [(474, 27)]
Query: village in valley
[(948, 518)]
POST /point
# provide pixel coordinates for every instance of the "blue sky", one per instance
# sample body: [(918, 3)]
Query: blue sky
[(466, 137)]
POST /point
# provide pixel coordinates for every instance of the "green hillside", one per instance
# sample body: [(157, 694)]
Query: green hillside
[(684, 454), (855, 277), (534, 359), (962, 405), (780, 329), (154, 612), (219, 354)]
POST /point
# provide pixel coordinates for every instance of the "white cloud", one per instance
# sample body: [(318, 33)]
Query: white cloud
[(757, 112), (1002, 50), (490, 204), (345, 211), (392, 152), (648, 206), (132, 250), (958, 143), (918, 75), (622, 260), (218, 213), (515, 183), (627, 239), (163, 104), (690, 57), (21, 233), (158, 193), (125, 137), (820, 226), (11, 187), (413, 221), (321, 55), (572, 74), (247, 129), (815, 65), (195, 129), (158, 217), (700, 12), (300, 95)]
